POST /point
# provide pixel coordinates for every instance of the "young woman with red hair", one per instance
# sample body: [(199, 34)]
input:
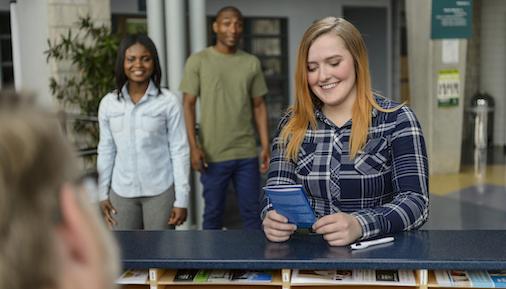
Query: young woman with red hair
[(360, 157)]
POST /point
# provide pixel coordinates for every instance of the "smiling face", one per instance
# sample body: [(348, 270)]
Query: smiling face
[(138, 64), (228, 28), (331, 72)]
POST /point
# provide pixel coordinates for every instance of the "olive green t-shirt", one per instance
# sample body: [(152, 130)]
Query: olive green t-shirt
[(225, 84)]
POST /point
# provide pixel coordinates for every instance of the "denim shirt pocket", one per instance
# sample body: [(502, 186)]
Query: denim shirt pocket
[(116, 121), (375, 158), (154, 122)]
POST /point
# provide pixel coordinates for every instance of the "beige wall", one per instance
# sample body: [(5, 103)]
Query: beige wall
[(50, 18)]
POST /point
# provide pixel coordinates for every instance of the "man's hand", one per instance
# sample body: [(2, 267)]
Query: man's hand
[(198, 159), (265, 157), (339, 229), (277, 228), (177, 216), (108, 210)]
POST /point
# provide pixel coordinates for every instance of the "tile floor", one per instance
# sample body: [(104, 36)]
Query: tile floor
[(464, 201)]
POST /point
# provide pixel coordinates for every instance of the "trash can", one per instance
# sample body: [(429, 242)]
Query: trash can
[(482, 119)]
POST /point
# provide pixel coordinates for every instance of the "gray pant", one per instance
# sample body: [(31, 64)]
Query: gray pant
[(143, 213)]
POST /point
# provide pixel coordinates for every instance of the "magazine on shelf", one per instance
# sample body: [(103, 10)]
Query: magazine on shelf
[(217, 276), (442, 277), (351, 277), (222, 276), (201, 276), (251, 276), (133, 276), (498, 277), (323, 275), (291, 201), (185, 275), (475, 278)]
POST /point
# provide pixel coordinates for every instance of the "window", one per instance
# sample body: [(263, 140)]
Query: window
[(124, 24), (6, 67)]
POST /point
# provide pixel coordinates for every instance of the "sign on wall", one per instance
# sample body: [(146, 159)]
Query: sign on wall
[(451, 19), (450, 51), (448, 88)]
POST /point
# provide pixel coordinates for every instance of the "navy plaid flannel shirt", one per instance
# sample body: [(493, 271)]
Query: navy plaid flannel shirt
[(385, 187)]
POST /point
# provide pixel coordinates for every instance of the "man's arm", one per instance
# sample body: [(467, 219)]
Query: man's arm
[(196, 153), (260, 114)]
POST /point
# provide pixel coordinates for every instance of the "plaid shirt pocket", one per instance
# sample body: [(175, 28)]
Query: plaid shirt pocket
[(374, 159), (306, 158)]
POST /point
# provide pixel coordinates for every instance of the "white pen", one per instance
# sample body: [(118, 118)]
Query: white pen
[(365, 244)]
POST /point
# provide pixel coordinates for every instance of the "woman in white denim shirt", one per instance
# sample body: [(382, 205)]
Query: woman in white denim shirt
[(143, 153)]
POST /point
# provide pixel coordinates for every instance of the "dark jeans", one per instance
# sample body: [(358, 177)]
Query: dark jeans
[(246, 180)]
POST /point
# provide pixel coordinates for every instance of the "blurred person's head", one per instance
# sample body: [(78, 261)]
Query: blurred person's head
[(50, 235), (137, 62), (228, 26), (9, 98)]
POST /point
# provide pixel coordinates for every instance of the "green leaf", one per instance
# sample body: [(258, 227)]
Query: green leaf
[(92, 52)]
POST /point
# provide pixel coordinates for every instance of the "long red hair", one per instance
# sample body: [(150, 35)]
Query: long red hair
[(302, 112)]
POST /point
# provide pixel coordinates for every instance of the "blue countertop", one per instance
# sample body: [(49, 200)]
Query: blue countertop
[(235, 249)]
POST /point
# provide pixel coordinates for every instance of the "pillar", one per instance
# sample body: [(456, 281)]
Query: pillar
[(442, 126), (156, 24)]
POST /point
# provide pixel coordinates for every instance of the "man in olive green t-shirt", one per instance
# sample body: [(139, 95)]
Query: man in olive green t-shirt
[(231, 88)]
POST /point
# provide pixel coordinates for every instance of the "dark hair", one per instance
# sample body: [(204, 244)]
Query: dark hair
[(128, 41), (226, 9)]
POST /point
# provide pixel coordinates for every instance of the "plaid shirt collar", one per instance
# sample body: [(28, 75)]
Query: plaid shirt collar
[(321, 117)]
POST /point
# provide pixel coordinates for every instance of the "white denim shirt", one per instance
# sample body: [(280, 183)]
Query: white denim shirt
[(143, 147)]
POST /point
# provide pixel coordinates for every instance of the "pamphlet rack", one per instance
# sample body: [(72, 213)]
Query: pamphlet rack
[(162, 253)]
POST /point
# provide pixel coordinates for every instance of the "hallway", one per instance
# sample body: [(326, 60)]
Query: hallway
[(460, 201)]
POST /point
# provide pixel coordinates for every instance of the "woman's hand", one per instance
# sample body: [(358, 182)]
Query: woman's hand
[(276, 227), (107, 211), (177, 216), (338, 229)]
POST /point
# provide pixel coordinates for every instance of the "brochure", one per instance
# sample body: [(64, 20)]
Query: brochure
[(222, 276), (133, 276), (185, 275), (291, 201), (498, 277), (251, 276), (219, 276), (463, 278), (201, 276), (326, 274), (355, 277)]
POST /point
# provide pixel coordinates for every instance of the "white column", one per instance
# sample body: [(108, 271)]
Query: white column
[(29, 41), (198, 25), (198, 41), (175, 41), (156, 27), (16, 57)]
